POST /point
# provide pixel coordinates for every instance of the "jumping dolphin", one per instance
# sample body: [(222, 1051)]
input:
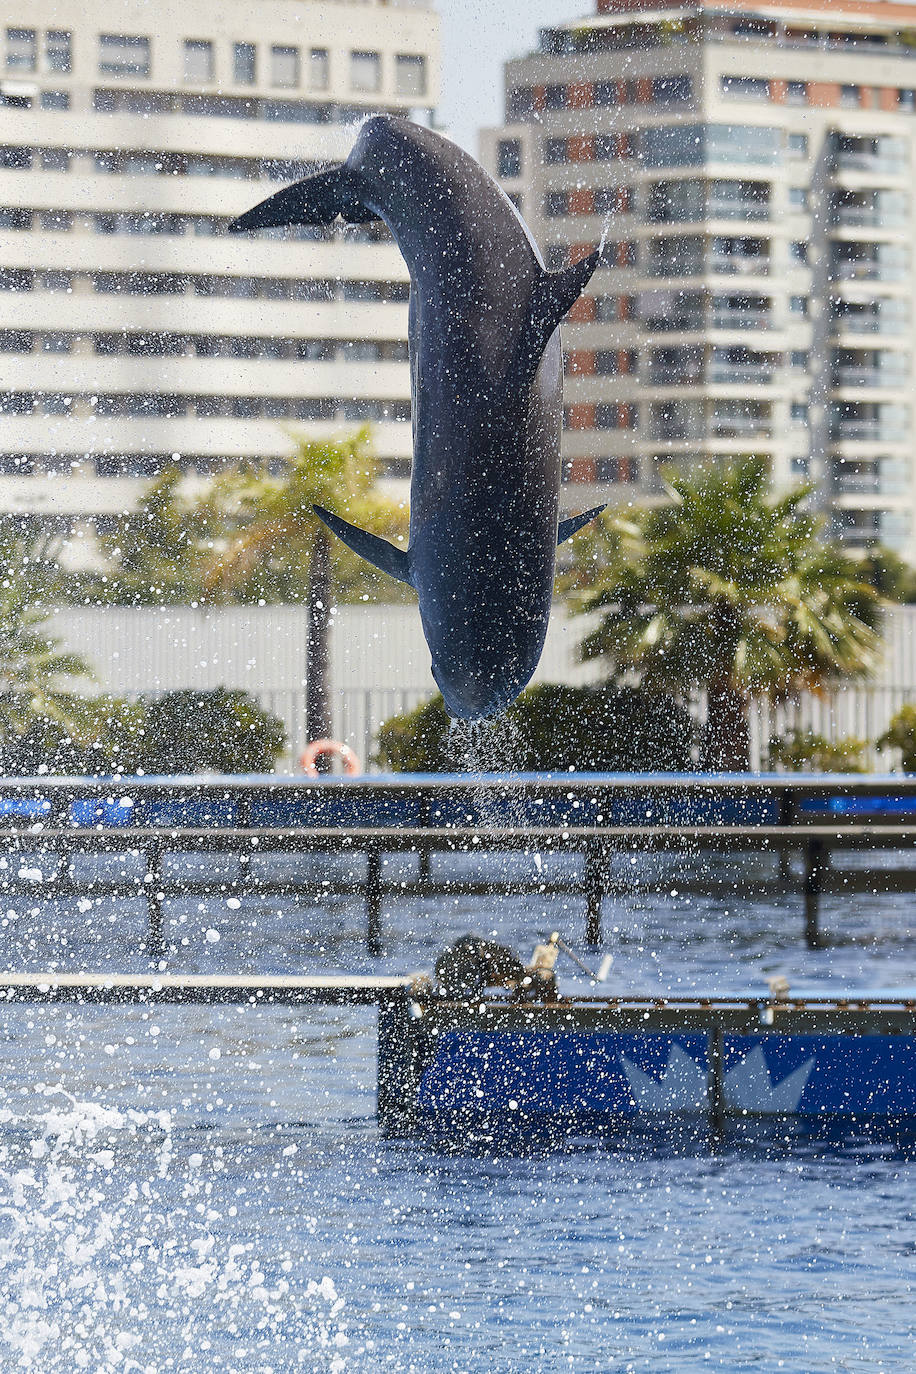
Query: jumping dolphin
[(487, 389)]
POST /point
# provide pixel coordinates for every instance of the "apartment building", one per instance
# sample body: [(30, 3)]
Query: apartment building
[(753, 167), (134, 332)]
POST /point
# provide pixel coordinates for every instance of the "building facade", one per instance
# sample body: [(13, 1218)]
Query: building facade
[(134, 331), (754, 169)]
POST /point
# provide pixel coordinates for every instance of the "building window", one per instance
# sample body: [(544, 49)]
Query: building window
[(797, 145), (906, 99), (851, 96), (555, 203), (671, 90), (799, 412), (555, 97), (509, 158), (409, 74), (798, 358), (15, 219), (798, 197), (56, 221), (798, 305), (198, 61), (55, 100), (798, 252), (20, 50), (124, 55), (555, 151), (365, 71), (745, 87), (796, 92), (55, 160), (284, 66), (319, 69), (520, 104), (605, 93), (244, 64), (57, 50)]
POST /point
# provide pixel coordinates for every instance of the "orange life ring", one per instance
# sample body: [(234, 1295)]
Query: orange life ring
[(312, 751)]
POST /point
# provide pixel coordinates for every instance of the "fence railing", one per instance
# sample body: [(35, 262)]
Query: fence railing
[(860, 711)]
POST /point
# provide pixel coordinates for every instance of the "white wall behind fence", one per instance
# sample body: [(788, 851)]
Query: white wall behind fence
[(379, 661)]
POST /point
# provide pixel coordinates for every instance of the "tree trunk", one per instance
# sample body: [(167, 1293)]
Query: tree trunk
[(317, 691), (726, 741)]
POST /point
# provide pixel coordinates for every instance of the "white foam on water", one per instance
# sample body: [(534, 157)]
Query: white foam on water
[(108, 1252)]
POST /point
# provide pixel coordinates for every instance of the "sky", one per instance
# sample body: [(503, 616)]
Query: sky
[(477, 37)]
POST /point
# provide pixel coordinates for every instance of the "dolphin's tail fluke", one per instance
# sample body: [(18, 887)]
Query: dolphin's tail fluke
[(319, 199), (555, 294), (379, 552)]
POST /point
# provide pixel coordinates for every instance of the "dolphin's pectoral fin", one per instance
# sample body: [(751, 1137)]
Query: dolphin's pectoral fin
[(318, 199), (559, 291), (575, 523), (379, 552), (555, 294)]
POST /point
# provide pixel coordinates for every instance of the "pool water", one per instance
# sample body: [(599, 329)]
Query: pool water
[(190, 1188)]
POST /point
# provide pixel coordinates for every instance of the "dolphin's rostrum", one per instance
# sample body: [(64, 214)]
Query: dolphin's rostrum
[(486, 381)]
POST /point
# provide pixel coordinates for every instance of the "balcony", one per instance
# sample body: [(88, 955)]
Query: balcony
[(741, 319), (863, 270), (874, 164), (869, 324), (868, 431), (869, 376), (737, 264), (867, 217), (748, 374), (675, 376), (740, 427), (737, 209), (871, 484)]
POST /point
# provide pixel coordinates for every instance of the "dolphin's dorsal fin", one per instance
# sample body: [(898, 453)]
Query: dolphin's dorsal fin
[(575, 523), (552, 298), (379, 552)]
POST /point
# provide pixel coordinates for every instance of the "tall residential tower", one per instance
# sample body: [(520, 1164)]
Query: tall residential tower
[(755, 166), (133, 331)]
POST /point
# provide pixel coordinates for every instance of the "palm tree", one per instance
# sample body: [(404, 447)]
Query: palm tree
[(36, 687), (274, 533), (727, 588)]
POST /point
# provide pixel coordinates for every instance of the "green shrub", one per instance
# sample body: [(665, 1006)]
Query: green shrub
[(96, 735), (602, 729), (803, 751), (221, 731), (901, 734)]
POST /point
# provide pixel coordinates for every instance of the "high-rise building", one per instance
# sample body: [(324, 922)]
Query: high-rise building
[(134, 332), (753, 166)]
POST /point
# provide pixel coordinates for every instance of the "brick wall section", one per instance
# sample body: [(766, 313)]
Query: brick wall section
[(582, 201), (580, 362), (887, 98), (580, 96), (778, 92), (580, 148), (584, 311), (823, 94), (581, 417), (582, 470)]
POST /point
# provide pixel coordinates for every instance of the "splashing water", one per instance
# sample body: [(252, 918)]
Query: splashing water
[(493, 745), (92, 1255)]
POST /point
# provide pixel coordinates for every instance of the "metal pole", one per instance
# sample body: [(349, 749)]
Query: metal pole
[(374, 902), (397, 1083), (595, 882), (814, 876), (716, 1083), (155, 939)]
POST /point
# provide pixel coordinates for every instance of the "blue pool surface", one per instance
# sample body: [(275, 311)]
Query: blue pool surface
[(187, 1189)]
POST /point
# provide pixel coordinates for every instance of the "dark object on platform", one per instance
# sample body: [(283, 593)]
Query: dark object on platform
[(602, 729), (473, 964), (487, 390)]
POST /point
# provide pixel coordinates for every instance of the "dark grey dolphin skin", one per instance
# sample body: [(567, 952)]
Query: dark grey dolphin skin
[(487, 384)]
